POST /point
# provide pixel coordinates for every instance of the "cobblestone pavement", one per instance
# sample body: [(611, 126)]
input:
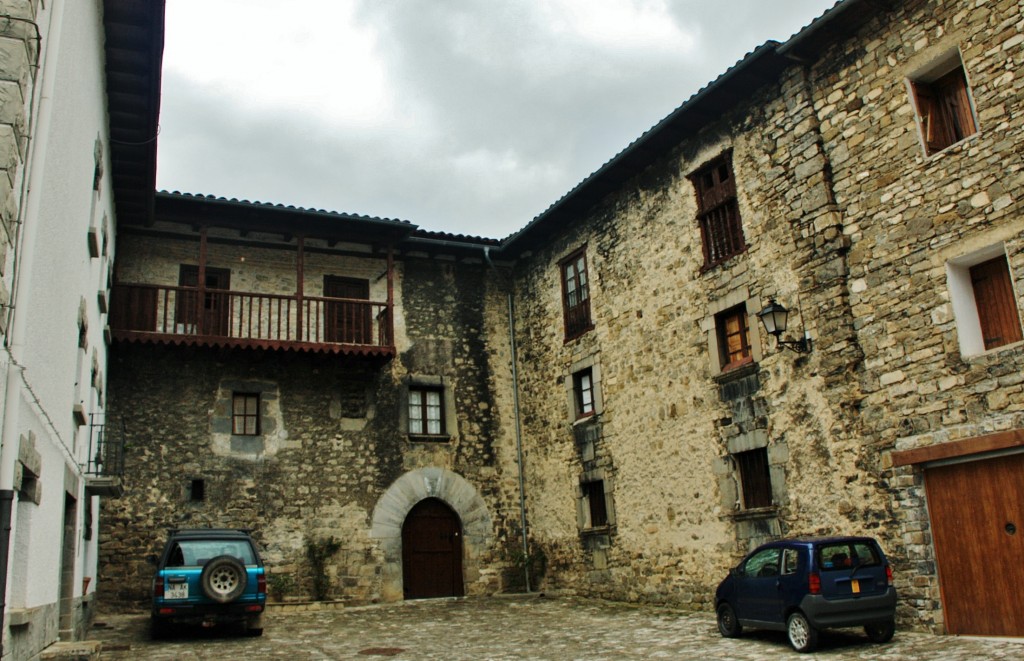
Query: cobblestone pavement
[(516, 628)]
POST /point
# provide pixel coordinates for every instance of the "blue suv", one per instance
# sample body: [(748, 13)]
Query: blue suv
[(209, 576), (802, 585)]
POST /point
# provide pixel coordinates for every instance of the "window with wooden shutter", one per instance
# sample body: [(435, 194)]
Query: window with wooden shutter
[(755, 478), (996, 303), (718, 212), (944, 108), (733, 337), (575, 294), (583, 391), (597, 508)]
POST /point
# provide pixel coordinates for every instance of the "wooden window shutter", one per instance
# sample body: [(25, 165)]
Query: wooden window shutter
[(997, 307)]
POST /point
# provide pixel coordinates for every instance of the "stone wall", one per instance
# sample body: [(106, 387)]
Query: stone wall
[(907, 215), (670, 419), (333, 449)]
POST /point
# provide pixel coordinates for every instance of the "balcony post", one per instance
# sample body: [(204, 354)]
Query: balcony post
[(201, 284), (391, 294), (299, 286)]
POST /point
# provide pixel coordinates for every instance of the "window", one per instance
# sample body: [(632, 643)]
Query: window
[(790, 561), (997, 309), (576, 295), (984, 303), (763, 564), (197, 491), (755, 480), (583, 392), (596, 508), (426, 411), (943, 104), (245, 414), (718, 212), (733, 337)]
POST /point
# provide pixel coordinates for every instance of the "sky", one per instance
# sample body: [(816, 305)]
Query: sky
[(463, 116)]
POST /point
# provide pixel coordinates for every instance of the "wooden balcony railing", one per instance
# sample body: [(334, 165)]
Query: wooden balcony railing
[(273, 321)]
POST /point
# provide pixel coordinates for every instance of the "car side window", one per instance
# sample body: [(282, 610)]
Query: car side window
[(790, 561), (763, 564)]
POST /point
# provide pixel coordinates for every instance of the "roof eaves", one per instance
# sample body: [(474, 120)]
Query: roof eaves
[(213, 200)]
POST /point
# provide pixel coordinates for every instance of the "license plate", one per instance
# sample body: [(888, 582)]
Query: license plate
[(854, 584), (176, 591)]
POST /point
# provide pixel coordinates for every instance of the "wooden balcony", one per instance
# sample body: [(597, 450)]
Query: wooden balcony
[(214, 317)]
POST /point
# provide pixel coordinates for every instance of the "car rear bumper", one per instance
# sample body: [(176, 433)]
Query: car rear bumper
[(197, 613), (850, 612)]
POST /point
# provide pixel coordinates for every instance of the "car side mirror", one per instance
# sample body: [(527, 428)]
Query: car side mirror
[(152, 559)]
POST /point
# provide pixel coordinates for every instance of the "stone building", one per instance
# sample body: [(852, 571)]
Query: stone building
[(604, 372), (77, 84)]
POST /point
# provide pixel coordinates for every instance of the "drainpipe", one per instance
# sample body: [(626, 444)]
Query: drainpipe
[(519, 430)]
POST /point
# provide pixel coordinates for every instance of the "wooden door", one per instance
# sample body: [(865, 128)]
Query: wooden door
[(977, 516), (432, 551), (347, 322), (215, 305)]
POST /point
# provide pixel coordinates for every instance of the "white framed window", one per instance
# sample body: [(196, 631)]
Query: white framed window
[(984, 300)]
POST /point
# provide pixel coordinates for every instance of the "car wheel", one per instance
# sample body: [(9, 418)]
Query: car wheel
[(223, 579), (880, 632), (802, 636), (254, 626), (728, 625)]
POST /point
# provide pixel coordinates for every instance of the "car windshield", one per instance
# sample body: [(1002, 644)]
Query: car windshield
[(847, 555), (194, 553)]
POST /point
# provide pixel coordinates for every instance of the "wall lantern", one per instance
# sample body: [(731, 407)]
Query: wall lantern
[(774, 317)]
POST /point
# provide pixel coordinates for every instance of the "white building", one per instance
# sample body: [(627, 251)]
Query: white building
[(79, 88)]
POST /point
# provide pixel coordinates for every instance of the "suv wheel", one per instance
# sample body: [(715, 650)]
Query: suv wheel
[(880, 632), (728, 625), (802, 636), (223, 579)]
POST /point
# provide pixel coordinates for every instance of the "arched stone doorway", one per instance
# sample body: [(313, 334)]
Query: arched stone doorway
[(402, 496), (432, 551)]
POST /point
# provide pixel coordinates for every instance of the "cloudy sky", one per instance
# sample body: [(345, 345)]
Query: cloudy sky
[(462, 116)]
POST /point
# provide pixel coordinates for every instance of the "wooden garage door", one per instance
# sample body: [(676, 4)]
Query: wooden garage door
[(977, 515), (432, 551)]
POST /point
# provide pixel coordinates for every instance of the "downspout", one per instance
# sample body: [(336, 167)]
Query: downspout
[(519, 429), (26, 233)]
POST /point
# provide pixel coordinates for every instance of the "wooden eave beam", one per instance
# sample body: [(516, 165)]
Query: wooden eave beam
[(955, 449)]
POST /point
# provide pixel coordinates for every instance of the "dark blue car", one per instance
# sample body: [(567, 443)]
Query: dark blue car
[(207, 577), (802, 585)]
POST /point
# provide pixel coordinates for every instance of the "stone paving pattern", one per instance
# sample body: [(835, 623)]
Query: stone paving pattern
[(517, 628)]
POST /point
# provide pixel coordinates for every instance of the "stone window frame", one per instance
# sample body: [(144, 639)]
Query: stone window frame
[(589, 363), (965, 305), (583, 505), (577, 318), (710, 327), (429, 382), (225, 441), (941, 66), (727, 472)]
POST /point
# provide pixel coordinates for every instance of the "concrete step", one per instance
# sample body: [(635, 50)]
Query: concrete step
[(75, 650)]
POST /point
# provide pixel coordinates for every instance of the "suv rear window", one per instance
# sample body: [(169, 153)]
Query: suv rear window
[(188, 553), (844, 555)]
